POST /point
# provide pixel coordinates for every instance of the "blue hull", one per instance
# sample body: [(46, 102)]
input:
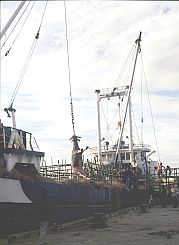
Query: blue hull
[(68, 202)]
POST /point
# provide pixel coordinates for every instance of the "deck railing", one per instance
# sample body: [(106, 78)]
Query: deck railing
[(28, 142), (108, 173)]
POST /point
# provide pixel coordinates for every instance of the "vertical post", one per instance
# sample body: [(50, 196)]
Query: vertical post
[(131, 133), (58, 170), (12, 110), (99, 126), (45, 169), (129, 92)]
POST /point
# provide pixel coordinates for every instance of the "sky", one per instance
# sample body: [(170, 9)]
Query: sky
[(100, 37)]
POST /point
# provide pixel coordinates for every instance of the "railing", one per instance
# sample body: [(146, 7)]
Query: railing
[(133, 178), (59, 171), (167, 178), (26, 139)]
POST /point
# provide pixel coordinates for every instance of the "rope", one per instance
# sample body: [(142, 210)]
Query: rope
[(69, 72), (151, 112), (27, 61)]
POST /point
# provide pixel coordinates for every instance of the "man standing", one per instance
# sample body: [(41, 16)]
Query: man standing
[(160, 168)]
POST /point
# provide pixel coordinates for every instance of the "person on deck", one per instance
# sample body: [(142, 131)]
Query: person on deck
[(168, 171), (160, 168)]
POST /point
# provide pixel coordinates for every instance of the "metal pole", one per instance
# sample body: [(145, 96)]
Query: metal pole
[(12, 18), (99, 126), (131, 133), (129, 93)]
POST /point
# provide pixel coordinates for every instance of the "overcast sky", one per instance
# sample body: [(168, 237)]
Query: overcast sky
[(101, 35)]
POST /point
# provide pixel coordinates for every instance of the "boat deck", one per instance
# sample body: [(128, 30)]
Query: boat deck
[(157, 225)]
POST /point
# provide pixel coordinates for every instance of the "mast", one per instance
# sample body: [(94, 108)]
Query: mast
[(12, 18), (129, 103), (130, 132)]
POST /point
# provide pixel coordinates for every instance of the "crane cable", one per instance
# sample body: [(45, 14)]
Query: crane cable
[(69, 73), (8, 51), (27, 60), (15, 26)]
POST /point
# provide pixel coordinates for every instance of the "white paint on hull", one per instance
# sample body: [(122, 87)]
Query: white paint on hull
[(11, 191), (12, 158)]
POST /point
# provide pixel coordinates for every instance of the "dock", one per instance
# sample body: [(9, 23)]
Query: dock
[(134, 226)]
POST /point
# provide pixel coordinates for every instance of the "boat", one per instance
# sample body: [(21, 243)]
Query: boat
[(21, 184), (23, 176)]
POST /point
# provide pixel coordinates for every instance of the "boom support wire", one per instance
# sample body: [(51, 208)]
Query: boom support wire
[(69, 73), (27, 60), (151, 112), (7, 52)]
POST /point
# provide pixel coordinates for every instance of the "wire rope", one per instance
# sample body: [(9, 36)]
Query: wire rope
[(140, 141), (107, 125), (27, 60), (15, 25), (69, 71), (124, 67), (153, 125), (8, 51)]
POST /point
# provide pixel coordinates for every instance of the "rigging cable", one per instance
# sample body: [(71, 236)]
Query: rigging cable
[(27, 60), (69, 73), (15, 26), (142, 114), (130, 66), (124, 66), (136, 126), (151, 112), (7, 52), (108, 134)]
